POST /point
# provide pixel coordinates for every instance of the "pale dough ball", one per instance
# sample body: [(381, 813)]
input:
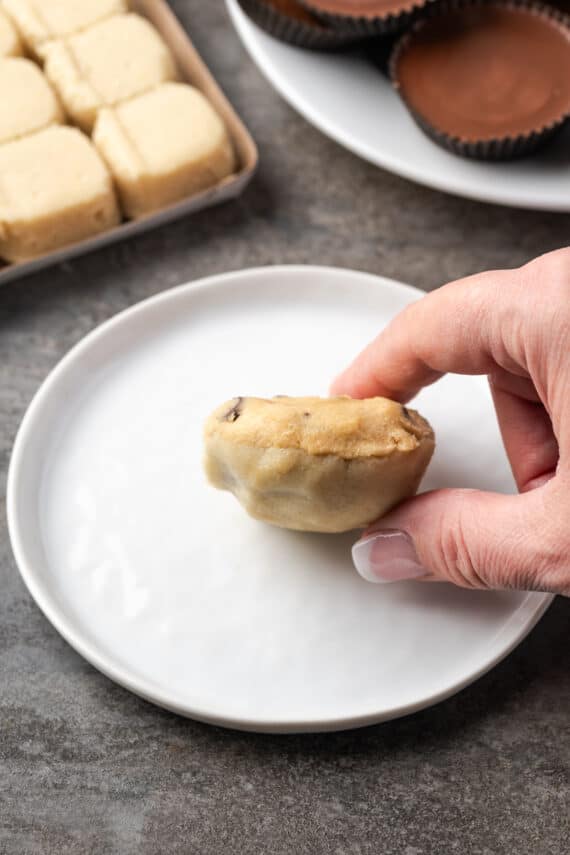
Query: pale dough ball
[(38, 21), (317, 464), (54, 190), (163, 146), (10, 44), (28, 101), (110, 62)]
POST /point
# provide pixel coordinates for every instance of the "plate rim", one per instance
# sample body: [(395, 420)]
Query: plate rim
[(365, 152), (533, 605)]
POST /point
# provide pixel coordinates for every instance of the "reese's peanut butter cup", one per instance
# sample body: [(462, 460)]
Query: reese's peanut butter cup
[(367, 17), (487, 80), (291, 22)]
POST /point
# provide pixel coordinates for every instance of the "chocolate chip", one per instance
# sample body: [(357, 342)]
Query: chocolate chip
[(234, 412)]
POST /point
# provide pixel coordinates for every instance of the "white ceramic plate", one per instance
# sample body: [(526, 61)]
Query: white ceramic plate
[(168, 587), (349, 100)]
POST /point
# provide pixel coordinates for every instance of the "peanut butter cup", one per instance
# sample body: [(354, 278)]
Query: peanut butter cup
[(367, 17), (291, 22), (489, 81)]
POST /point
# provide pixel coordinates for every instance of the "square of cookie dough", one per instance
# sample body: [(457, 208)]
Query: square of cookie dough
[(10, 44), (28, 101), (163, 146), (106, 64), (38, 21), (54, 190)]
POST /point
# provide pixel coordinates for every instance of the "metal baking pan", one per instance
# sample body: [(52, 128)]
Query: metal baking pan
[(193, 70)]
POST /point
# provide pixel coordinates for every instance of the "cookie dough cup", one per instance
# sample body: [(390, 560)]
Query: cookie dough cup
[(317, 464), (54, 191), (163, 146), (367, 17), (115, 60), (28, 101), (10, 44), (487, 80), (289, 21), (40, 21)]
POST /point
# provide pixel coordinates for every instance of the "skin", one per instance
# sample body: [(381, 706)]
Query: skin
[(513, 326)]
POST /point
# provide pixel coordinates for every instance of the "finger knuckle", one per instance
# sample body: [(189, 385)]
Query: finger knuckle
[(552, 563), (552, 271), (540, 560), (455, 553)]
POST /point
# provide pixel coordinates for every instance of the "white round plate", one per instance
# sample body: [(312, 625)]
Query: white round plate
[(349, 100), (168, 587)]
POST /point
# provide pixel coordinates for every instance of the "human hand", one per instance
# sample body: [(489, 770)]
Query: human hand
[(514, 326)]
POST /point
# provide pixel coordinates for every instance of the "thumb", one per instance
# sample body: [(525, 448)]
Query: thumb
[(470, 538)]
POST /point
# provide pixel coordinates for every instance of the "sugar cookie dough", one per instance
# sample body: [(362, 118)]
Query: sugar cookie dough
[(54, 190), (28, 101), (40, 21), (317, 464), (10, 44), (106, 64), (163, 146)]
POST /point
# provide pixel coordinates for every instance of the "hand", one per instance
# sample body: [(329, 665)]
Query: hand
[(513, 326)]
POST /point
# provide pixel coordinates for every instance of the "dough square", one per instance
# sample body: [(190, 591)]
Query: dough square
[(10, 44), (54, 190), (28, 101), (38, 21), (106, 64), (163, 146)]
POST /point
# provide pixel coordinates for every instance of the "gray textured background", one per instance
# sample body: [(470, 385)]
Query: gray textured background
[(87, 768)]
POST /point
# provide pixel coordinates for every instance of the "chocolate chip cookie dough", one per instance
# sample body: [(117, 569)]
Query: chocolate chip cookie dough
[(317, 464)]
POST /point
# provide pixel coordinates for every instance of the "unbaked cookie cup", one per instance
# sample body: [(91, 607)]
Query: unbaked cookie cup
[(298, 26), (506, 144)]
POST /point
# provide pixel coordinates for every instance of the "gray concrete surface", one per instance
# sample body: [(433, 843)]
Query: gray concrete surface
[(88, 769)]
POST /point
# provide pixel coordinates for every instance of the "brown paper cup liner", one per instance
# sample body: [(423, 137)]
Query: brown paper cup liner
[(321, 36), (499, 148), (369, 26), (379, 50), (560, 5)]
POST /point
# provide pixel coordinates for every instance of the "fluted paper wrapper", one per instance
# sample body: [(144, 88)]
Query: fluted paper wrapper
[(507, 147), (320, 36), (365, 26)]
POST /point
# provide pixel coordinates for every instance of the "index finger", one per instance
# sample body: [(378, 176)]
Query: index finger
[(458, 329)]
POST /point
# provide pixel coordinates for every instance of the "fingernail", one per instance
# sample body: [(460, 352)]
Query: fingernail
[(387, 556)]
